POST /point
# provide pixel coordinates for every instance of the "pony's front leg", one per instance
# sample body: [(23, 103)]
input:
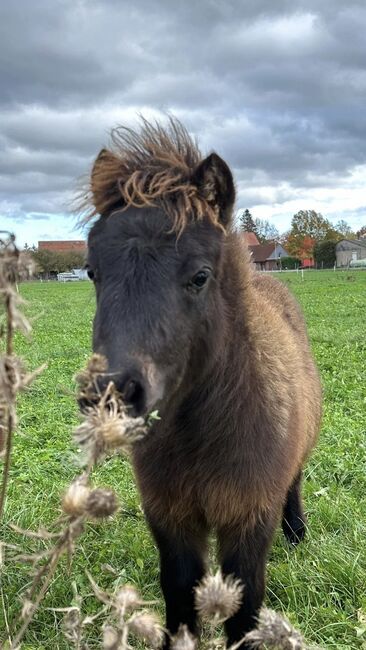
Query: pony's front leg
[(243, 552), (182, 565)]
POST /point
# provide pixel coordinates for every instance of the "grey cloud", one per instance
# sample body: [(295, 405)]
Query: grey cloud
[(277, 88)]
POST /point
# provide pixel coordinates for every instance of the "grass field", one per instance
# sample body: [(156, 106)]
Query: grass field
[(321, 585)]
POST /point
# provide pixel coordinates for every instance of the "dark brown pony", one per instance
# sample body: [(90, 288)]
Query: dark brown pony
[(190, 328)]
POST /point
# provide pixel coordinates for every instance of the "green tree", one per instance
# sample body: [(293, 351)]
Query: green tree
[(246, 222), (307, 228), (324, 253), (309, 223), (45, 261), (72, 260), (48, 262)]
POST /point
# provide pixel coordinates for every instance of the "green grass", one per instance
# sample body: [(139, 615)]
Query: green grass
[(321, 585)]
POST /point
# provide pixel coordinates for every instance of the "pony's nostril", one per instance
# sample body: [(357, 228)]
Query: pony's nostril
[(134, 395)]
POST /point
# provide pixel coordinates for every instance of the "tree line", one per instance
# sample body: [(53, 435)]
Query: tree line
[(52, 262), (311, 236)]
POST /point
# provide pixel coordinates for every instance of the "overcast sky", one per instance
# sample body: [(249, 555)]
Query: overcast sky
[(278, 88)]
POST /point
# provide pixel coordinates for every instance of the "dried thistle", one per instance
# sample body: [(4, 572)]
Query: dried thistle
[(74, 502), (111, 638), (217, 598), (72, 625), (86, 378), (101, 503), (108, 427), (183, 640), (275, 632), (127, 599), (147, 627)]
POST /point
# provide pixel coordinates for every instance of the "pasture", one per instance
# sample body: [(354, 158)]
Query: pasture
[(320, 586)]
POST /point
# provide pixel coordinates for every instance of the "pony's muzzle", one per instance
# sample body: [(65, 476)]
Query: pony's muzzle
[(140, 389), (131, 386)]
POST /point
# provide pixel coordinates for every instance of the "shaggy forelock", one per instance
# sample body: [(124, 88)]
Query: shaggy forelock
[(152, 167)]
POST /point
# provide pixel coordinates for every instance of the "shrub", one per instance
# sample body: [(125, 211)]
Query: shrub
[(290, 262)]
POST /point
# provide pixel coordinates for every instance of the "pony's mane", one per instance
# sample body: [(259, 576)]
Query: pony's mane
[(152, 167)]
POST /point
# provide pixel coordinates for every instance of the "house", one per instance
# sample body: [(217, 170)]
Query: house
[(71, 246), (267, 257), (348, 250)]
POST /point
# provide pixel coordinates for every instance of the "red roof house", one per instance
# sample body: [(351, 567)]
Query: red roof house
[(76, 245)]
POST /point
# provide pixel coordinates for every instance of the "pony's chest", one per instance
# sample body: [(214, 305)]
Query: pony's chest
[(183, 480)]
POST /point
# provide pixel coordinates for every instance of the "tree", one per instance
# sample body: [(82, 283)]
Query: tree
[(54, 262), (308, 223), (29, 249), (73, 260), (324, 253), (266, 231), (246, 222), (343, 228), (300, 246), (361, 232), (307, 228), (45, 261)]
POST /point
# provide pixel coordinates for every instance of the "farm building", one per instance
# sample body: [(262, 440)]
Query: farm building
[(71, 246), (348, 250), (267, 257)]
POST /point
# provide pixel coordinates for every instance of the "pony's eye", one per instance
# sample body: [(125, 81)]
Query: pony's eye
[(200, 279)]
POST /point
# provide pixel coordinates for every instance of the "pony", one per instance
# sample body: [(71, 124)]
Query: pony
[(188, 327)]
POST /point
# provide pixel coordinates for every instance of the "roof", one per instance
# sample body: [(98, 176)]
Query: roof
[(270, 251), (250, 238), (262, 252), (63, 246), (354, 242)]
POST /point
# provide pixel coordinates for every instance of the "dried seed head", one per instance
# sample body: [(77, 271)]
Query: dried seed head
[(147, 627), (75, 499), (111, 638), (218, 598), (101, 503), (183, 640), (27, 608), (127, 598), (107, 427), (72, 625), (274, 631), (85, 379), (121, 431), (14, 265)]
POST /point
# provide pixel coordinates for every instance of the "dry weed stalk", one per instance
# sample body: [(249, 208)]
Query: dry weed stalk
[(105, 429), (275, 633), (217, 598), (14, 267), (126, 616)]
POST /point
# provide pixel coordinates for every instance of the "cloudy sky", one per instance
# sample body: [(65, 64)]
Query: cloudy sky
[(278, 88)]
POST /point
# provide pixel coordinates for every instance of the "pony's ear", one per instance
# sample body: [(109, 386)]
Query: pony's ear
[(215, 184), (103, 181)]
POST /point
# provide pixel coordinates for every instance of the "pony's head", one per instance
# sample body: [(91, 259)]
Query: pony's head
[(155, 255)]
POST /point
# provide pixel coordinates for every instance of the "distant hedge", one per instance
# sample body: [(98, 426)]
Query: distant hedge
[(290, 262)]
